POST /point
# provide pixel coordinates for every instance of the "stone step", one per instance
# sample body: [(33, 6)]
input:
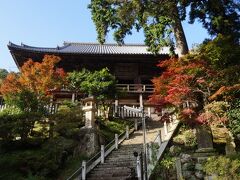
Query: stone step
[(115, 166), (118, 164), (113, 161), (109, 174), (108, 178), (121, 163)]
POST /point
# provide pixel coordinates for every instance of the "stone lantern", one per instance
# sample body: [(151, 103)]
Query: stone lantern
[(88, 134), (89, 109)]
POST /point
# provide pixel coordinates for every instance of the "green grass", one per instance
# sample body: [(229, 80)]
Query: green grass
[(108, 129)]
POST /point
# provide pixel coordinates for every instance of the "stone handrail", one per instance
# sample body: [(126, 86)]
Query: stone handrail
[(156, 148), (86, 167)]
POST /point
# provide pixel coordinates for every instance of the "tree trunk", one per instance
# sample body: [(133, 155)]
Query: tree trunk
[(181, 42)]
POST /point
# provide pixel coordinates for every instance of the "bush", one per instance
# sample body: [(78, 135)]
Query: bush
[(13, 124), (67, 121), (234, 117), (220, 52), (186, 137), (109, 128), (42, 162), (225, 168)]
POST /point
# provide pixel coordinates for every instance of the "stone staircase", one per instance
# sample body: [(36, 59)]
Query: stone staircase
[(121, 163)]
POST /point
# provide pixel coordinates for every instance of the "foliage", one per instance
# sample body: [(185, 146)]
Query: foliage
[(224, 167), (183, 84), (3, 74), (234, 117), (40, 163), (26, 101), (76, 78), (36, 79), (165, 168), (100, 84), (154, 18), (218, 17), (13, 125), (187, 138), (161, 19), (67, 121), (108, 129), (215, 113), (168, 162), (220, 52)]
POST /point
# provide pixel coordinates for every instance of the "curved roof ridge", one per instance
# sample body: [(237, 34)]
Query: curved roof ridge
[(35, 47), (105, 44), (91, 48)]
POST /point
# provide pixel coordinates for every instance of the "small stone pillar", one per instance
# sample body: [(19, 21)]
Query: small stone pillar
[(89, 110)]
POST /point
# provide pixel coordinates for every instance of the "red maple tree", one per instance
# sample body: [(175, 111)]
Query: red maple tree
[(36, 77), (184, 84)]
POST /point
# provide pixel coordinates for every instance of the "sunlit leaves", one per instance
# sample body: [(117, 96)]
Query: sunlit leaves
[(36, 79)]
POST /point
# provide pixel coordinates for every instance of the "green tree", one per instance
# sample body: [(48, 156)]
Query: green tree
[(157, 18), (100, 84), (161, 19), (218, 17), (3, 73)]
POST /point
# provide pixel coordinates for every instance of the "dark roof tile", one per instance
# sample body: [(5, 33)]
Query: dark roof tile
[(92, 48)]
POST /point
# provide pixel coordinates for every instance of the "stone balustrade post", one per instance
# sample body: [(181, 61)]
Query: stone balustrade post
[(159, 138), (116, 141), (102, 154), (165, 128), (149, 112), (139, 168), (127, 132), (150, 151), (84, 167), (135, 124)]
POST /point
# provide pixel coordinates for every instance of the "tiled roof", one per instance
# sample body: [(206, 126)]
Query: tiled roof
[(91, 48)]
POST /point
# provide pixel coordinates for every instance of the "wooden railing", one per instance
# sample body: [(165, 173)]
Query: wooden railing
[(135, 88)]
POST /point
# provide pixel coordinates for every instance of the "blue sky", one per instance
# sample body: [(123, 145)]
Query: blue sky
[(48, 23)]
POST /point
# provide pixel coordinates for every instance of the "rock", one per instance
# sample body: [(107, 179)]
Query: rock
[(213, 177), (238, 136), (187, 166), (187, 174), (185, 158), (230, 148), (202, 159), (192, 178), (198, 167), (199, 174)]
